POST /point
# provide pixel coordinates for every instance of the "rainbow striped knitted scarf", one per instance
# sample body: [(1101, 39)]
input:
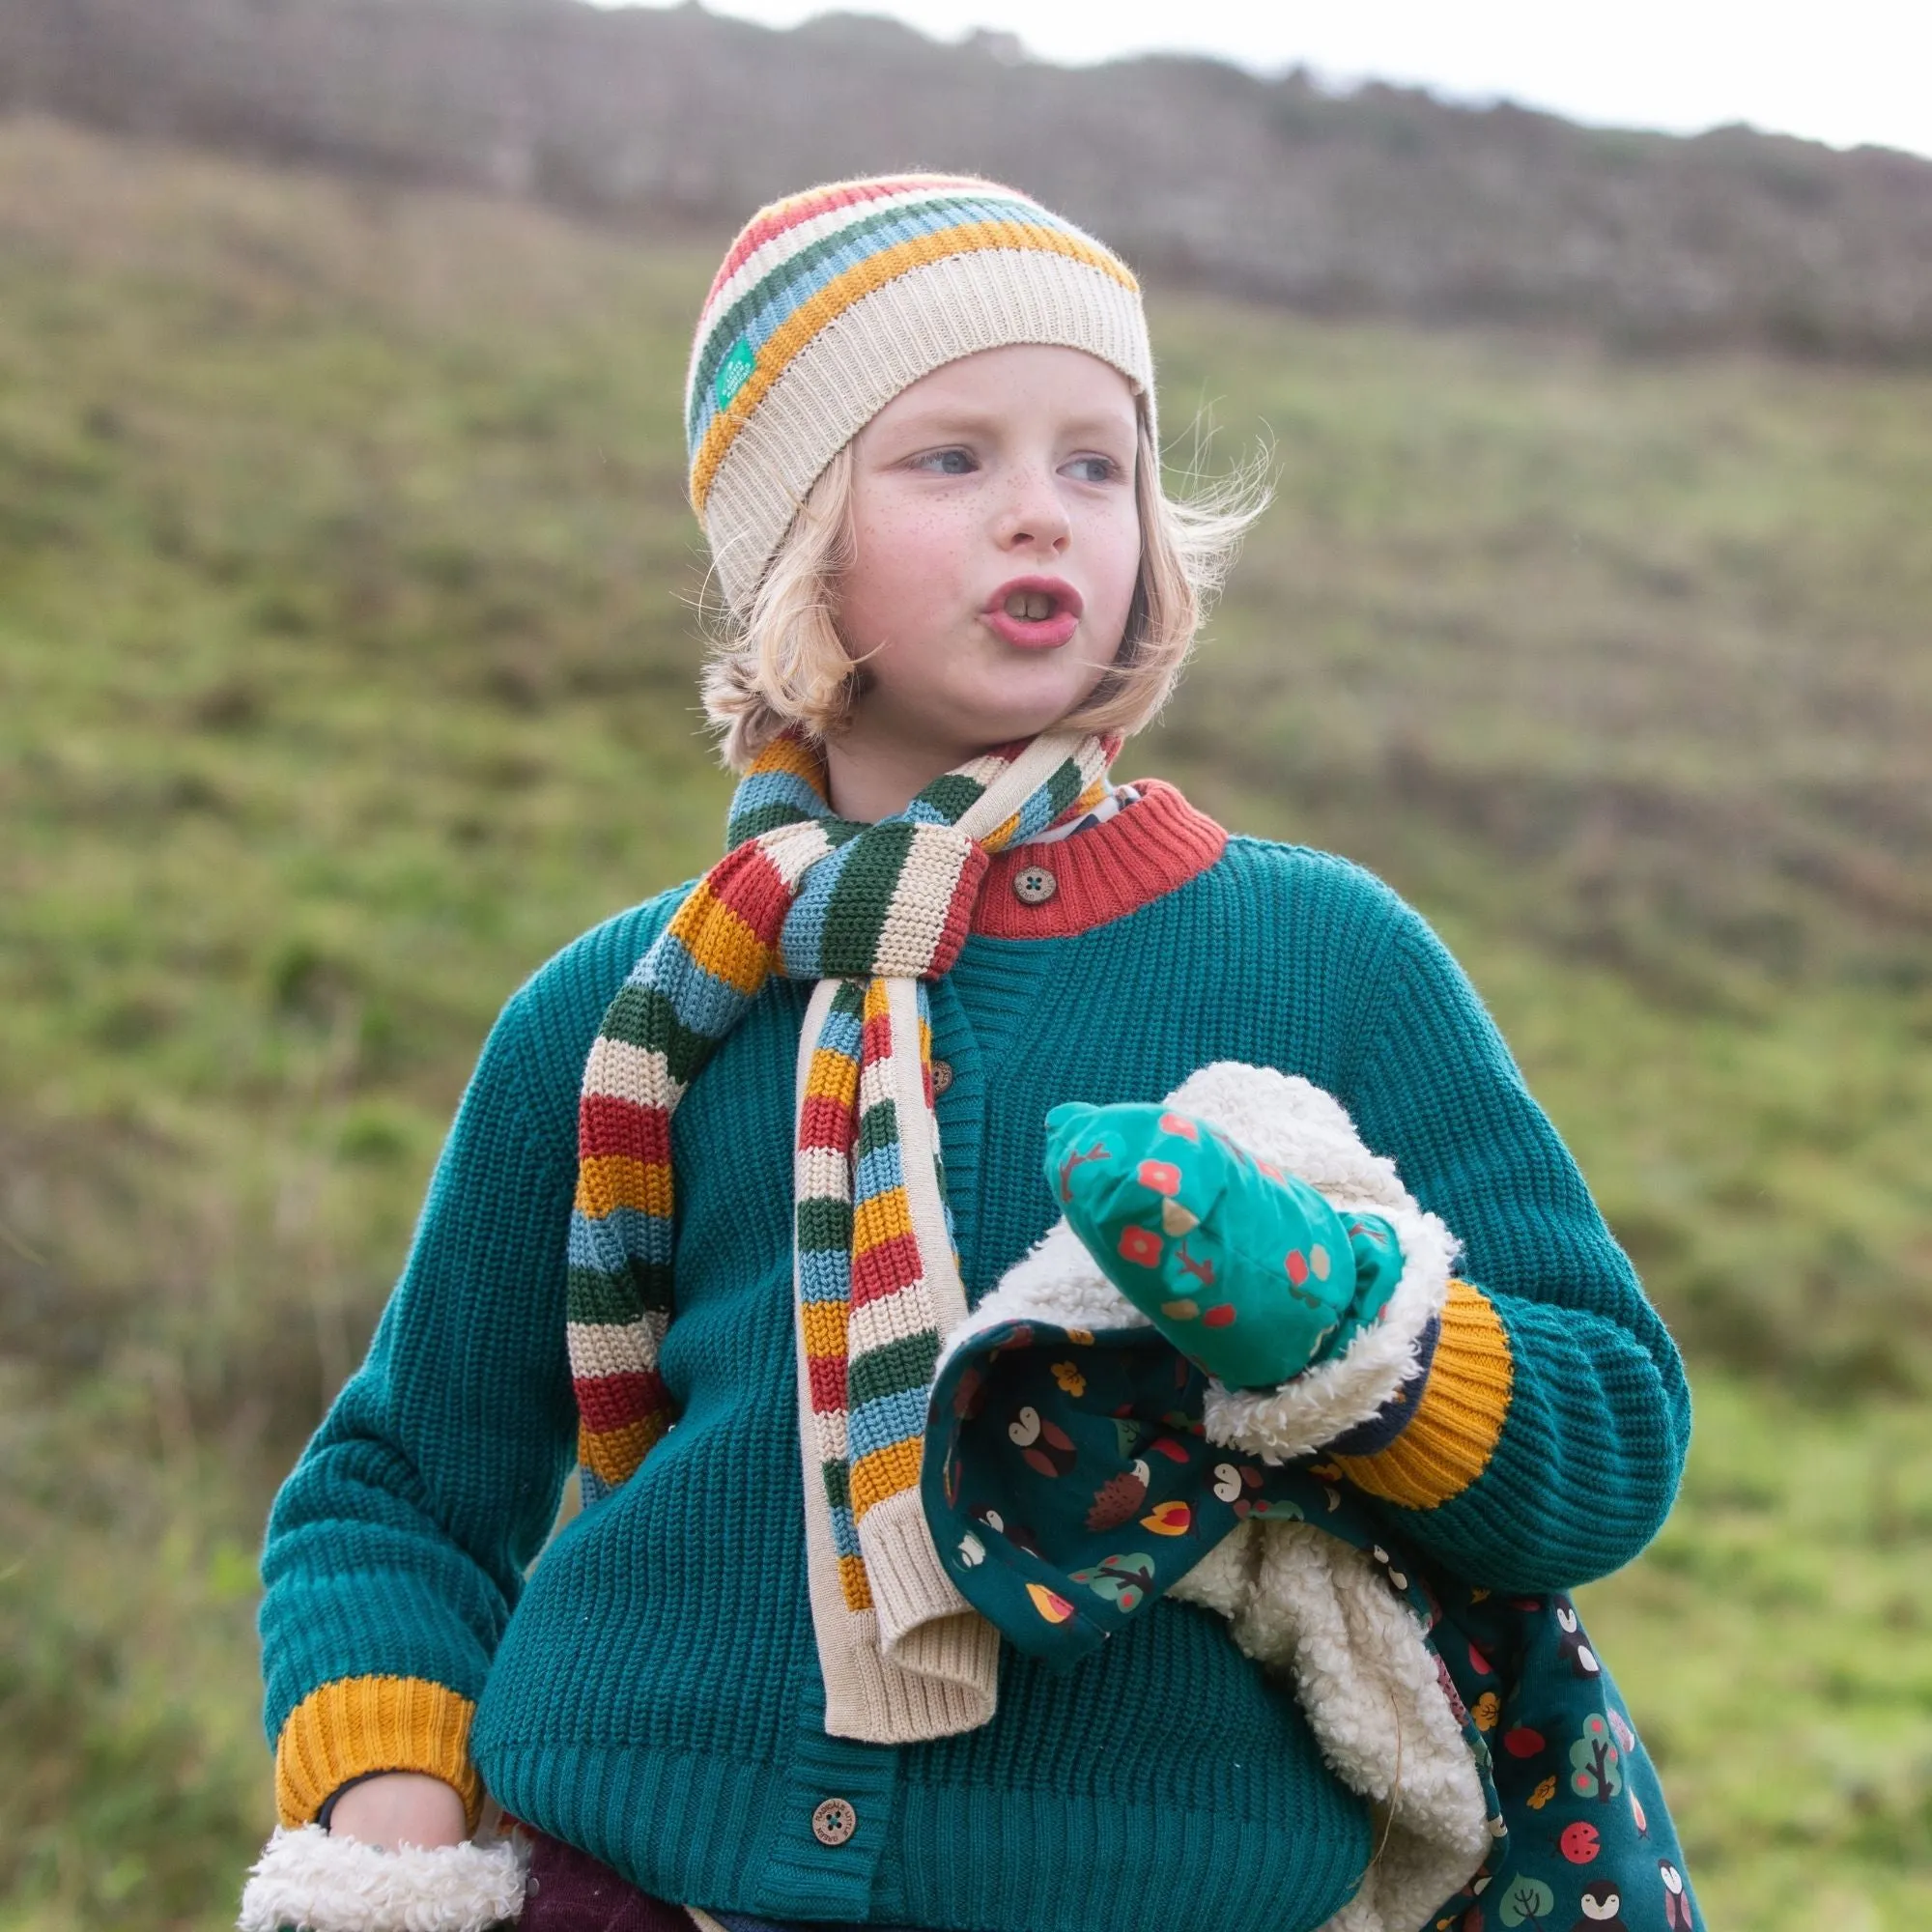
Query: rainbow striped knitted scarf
[(871, 912)]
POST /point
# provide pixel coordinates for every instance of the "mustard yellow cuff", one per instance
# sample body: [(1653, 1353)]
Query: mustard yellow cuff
[(359, 1725), (1459, 1418)]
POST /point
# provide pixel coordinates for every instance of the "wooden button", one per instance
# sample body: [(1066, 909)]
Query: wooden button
[(942, 1075), (833, 1821), (1035, 885)]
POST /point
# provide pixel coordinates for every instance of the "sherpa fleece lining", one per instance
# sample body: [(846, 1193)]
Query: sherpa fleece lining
[(1295, 1599), (310, 1881)]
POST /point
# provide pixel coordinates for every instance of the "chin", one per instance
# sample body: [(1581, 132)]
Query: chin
[(999, 723)]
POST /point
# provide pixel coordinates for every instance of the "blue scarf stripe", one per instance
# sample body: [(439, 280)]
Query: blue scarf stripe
[(843, 1032), (879, 1171), (760, 791), (617, 1239), (802, 937), (887, 1419), (824, 1274), (844, 1530), (705, 1004)]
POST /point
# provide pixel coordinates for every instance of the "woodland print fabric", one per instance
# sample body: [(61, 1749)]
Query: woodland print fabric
[(1070, 1485)]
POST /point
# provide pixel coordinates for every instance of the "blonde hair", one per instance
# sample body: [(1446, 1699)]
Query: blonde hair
[(783, 662)]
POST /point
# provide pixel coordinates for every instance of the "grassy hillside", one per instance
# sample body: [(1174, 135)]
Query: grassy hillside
[(346, 670)]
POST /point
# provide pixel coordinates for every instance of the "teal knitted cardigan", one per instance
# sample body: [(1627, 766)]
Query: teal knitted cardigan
[(650, 1692)]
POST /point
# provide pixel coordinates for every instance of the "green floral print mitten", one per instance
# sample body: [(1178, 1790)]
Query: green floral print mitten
[(1247, 1271)]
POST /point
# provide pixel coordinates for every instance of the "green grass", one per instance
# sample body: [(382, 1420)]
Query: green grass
[(347, 659)]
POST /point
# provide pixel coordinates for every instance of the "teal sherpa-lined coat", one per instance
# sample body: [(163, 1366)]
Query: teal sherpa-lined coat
[(650, 1692)]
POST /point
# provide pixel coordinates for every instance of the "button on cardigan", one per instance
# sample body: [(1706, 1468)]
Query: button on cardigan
[(650, 1692)]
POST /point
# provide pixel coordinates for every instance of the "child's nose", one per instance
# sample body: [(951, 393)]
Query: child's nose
[(1034, 514)]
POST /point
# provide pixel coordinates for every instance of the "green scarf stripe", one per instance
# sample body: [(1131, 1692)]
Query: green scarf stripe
[(838, 1478), (619, 1303), (644, 1016), (898, 1366), (601, 1299), (878, 1126), (724, 330), (1064, 787), (763, 818), (824, 1224), (862, 896), (955, 794)]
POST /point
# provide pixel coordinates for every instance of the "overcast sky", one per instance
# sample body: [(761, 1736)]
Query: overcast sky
[(1846, 72)]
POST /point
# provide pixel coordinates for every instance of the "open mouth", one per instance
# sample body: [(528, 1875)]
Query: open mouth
[(1034, 613)]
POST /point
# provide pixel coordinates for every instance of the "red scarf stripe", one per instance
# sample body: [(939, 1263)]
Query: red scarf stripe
[(621, 1400), (608, 1125), (887, 1269), (825, 1124), (875, 1040), (827, 1376), (748, 882)]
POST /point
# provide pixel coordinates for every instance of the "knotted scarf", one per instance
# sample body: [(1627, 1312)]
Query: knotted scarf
[(871, 912)]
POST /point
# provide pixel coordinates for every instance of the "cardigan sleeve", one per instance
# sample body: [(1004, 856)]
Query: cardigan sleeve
[(396, 1548), (1546, 1442)]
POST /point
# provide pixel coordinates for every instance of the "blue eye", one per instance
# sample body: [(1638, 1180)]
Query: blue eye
[(1095, 468), (947, 461)]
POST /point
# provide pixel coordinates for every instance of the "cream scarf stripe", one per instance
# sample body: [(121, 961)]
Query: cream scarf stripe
[(902, 1656), (867, 911)]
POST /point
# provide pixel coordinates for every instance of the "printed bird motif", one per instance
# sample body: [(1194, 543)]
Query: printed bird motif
[(1017, 1533), (1047, 1448), (1676, 1901), (1603, 1909), (1574, 1646)]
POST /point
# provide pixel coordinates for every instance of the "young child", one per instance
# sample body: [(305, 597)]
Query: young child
[(734, 1165)]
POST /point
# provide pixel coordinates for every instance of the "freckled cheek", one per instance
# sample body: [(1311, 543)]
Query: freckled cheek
[(903, 564)]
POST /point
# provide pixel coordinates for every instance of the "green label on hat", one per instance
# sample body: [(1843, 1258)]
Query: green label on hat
[(739, 363)]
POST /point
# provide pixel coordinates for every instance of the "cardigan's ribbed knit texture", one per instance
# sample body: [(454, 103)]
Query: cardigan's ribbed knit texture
[(654, 1696)]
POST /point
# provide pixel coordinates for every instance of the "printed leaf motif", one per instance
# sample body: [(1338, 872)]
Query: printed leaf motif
[(1524, 1901), (1054, 1610), (1173, 1518), (1121, 1580)]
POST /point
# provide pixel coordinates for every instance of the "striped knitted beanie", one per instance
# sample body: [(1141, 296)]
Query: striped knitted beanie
[(832, 301)]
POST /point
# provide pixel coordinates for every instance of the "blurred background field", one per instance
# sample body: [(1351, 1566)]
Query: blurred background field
[(347, 653)]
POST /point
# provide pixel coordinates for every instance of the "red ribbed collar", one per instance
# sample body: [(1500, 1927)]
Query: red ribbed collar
[(1111, 868)]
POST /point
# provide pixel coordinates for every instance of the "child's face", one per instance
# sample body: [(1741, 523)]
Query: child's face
[(996, 547)]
